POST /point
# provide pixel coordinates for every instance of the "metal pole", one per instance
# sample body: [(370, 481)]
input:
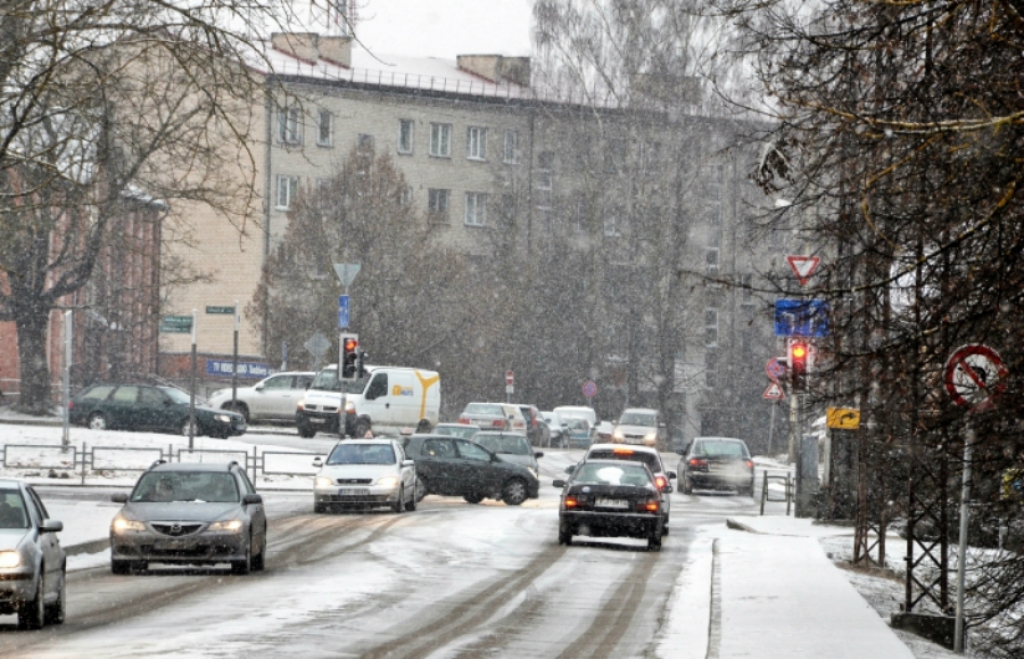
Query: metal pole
[(65, 440), (961, 558), (234, 366), (794, 425), (771, 427), (192, 387)]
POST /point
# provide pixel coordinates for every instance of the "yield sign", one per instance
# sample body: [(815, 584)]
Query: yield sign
[(803, 266), (773, 392)]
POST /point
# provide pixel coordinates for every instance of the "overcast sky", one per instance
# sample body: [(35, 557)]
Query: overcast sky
[(445, 28)]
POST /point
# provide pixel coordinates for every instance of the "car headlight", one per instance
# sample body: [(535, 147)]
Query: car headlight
[(9, 559), (388, 481), (231, 525), (617, 434), (223, 418), (651, 436), (300, 406), (350, 407), (122, 525), (323, 481)]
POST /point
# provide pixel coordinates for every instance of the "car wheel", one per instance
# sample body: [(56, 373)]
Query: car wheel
[(243, 566), (259, 560), (362, 427), (306, 432), (473, 498), (687, 486), (422, 489), (319, 508), (98, 422), (410, 505), (120, 567), (56, 612), (564, 536), (241, 408), (399, 504), (187, 426), (514, 492), (32, 614)]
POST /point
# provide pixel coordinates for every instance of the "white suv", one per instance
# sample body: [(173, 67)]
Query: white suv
[(271, 399)]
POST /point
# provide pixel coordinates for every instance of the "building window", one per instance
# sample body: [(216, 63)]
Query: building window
[(714, 192), (747, 286), (405, 135), (289, 125), (325, 129), (476, 143), (615, 157), (711, 328), (287, 189), (437, 204), (650, 156), (365, 143), (441, 140), (545, 165), (711, 368), (405, 196), (510, 149), (711, 266), (610, 228), (476, 209)]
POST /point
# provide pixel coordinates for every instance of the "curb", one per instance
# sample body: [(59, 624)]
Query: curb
[(737, 526)]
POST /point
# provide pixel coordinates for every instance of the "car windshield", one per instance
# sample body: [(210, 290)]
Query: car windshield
[(177, 395), (638, 419), (606, 474), (720, 449), (327, 380), (362, 454), (484, 409), (13, 514), (465, 432), (197, 486), (650, 459), (509, 444)]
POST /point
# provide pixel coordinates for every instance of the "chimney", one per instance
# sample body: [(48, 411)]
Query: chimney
[(496, 68), (311, 47)]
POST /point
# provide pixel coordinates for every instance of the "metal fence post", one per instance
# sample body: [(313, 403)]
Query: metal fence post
[(764, 489), (84, 448)]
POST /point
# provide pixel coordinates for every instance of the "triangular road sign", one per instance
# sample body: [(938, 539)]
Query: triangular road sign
[(773, 392), (803, 266)]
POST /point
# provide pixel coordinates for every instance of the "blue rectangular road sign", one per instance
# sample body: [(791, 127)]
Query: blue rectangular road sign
[(342, 312), (801, 318), (224, 367)]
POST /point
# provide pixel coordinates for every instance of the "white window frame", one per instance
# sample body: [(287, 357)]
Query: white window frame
[(711, 327), (287, 189), (711, 264), (441, 140), (325, 117), (406, 146), (476, 209), (289, 124), (510, 147), (476, 143), (434, 197), (545, 176)]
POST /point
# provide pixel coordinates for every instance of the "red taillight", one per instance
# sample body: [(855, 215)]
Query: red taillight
[(749, 463), (623, 451), (498, 423), (649, 506), (697, 462), (570, 502), (661, 482), (463, 420)]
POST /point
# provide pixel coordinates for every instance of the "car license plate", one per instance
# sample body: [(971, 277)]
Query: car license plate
[(169, 545), (612, 503), (316, 419), (353, 492)]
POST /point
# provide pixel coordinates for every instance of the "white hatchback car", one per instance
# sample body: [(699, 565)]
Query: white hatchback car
[(365, 473)]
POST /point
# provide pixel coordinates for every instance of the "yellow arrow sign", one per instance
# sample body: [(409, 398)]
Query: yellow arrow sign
[(843, 418)]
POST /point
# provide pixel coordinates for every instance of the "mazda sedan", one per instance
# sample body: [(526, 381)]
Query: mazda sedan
[(611, 498), (33, 566)]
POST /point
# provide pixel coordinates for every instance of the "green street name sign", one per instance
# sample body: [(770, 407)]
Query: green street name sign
[(176, 324), (227, 311)]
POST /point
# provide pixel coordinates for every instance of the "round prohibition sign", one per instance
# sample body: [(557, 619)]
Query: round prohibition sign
[(975, 376)]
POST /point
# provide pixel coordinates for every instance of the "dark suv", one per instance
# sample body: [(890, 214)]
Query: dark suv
[(188, 514)]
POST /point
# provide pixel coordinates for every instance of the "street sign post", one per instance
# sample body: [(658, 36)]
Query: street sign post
[(975, 377), (224, 311), (342, 312), (589, 389), (809, 318), (773, 392), (803, 266), (842, 418), (775, 369), (176, 324), (510, 385)]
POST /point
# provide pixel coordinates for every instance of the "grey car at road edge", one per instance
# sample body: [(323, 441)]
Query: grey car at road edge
[(190, 514), (33, 566)]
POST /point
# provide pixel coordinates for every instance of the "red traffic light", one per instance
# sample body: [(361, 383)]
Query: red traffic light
[(799, 351), (351, 344)]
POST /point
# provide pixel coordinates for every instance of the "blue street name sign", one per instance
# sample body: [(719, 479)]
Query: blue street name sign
[(808, 318), (223, 368), (342, 312)]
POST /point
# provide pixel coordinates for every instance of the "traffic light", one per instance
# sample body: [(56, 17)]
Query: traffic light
[(799, 364), (349, 362)]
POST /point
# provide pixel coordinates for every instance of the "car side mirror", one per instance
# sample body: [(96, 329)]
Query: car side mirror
[(672, 475), (318, 462), (119, 497), (252, 498), (538, 454), (570, 469), (51, 526), (408, 463), (558, 483), (258, 387)]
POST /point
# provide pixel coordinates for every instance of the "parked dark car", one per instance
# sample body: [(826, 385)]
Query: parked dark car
[(190, 514), (33, 580), (614, 498), (536, 430), (451, 466), (716, 463), (149, 407)]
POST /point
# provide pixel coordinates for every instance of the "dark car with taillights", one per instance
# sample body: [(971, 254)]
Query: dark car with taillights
[(190, 514), (716, 463), (611, 498), (644, 454)]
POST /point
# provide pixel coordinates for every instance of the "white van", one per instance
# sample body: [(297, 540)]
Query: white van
[(388, 401)]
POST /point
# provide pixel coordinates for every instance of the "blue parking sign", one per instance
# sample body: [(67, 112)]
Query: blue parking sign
[(342, 312), (808, 318)]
